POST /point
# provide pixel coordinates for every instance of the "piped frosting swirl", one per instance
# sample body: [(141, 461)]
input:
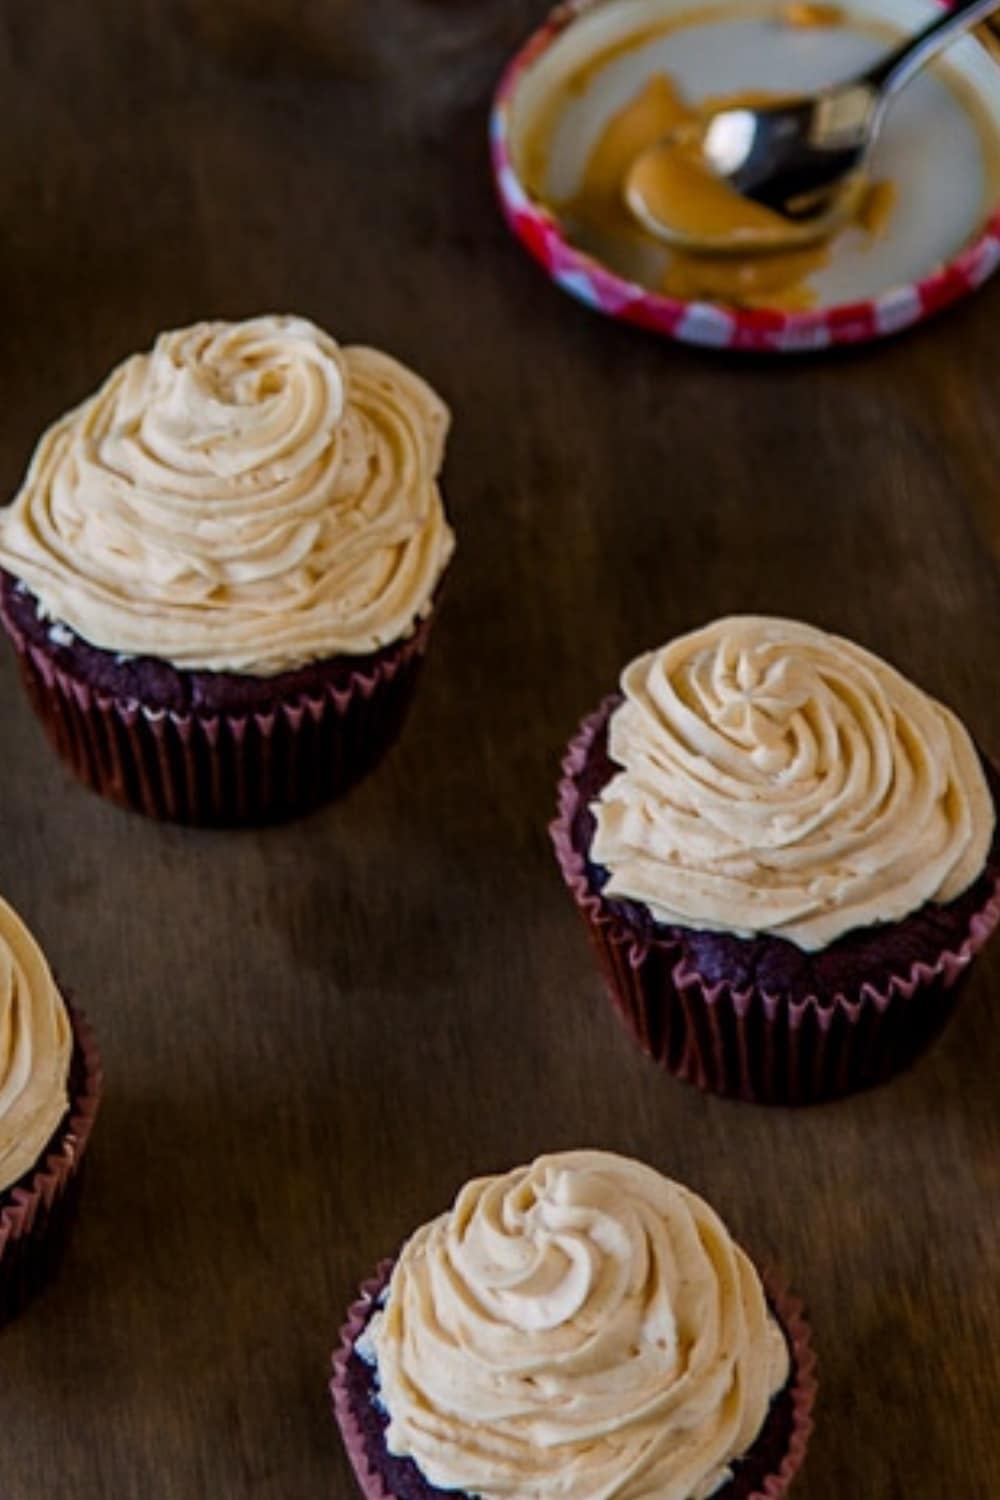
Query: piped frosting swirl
[(36, 1045), (777, 779), (248, 497), (582, 1328)]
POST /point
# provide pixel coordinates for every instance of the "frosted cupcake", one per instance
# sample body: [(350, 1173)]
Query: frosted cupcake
[(580, 1327), (49, 1093), (786, 855), (220, 572)]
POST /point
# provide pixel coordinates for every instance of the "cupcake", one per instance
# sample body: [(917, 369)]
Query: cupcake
[(220, 572), (581, 1327), (50, 1084), (786, 856)]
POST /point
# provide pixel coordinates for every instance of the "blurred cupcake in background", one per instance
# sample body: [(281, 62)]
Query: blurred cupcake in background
[(50, 1085), (786, 856), (220, 573), (579, 1327)]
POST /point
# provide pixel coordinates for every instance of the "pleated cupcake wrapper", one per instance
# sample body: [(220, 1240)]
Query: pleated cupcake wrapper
[(789, 1312), (35, 1218), (746, 1043), (219, 769), (369, 1479)]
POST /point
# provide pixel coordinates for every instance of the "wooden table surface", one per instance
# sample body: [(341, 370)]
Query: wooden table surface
[(314, 1035)]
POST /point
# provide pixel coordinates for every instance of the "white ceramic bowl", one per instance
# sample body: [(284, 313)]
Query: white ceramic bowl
[(940, 146)]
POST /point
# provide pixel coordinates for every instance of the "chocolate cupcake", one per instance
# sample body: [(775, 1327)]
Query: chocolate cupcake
[(583, 1327), (220, 572), (50, 1084), (786, 856)]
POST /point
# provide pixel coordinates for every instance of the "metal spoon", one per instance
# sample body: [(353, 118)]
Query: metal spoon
[(803, 159)]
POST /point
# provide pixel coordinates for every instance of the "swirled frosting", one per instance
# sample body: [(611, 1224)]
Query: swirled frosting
[(36, 1044), (248, 497), (777, 779), (582, 1328)]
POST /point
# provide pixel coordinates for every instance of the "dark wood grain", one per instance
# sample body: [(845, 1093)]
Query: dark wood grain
[(314, 1035)]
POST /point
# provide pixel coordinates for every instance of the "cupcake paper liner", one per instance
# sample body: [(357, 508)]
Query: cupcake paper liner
[(37, 1214), (803, 1387), (225, 769), (747, 1043)]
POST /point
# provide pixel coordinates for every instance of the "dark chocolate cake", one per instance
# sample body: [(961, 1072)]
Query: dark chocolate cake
[(158, 685), (210, 748)]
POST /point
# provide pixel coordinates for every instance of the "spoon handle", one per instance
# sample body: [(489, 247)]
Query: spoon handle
[(892, 72)]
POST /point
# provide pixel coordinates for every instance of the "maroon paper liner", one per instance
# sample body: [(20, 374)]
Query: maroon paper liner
[(787, 1308), (37, 1214), (248, 768), (746, 1043)]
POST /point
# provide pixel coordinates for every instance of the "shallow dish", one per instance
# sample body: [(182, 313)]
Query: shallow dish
[(940, 148)]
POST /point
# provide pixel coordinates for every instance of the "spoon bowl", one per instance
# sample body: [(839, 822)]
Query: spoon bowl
[(806, 218), (781, 175)]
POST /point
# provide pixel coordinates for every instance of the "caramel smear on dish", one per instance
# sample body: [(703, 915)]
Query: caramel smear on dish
[(696, 202), (876, 208), (807, 16)]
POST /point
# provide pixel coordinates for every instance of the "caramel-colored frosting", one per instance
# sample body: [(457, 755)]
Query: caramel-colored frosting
[(580, 1327), (777, 779), (248, 497), (36, 1044)]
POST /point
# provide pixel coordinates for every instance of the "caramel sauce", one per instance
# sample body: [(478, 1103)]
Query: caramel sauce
[(876, 208), (683, 192), (655, 112), (806, 15)]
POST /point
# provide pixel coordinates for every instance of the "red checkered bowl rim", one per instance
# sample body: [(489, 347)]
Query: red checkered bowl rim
[(705, 323)]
